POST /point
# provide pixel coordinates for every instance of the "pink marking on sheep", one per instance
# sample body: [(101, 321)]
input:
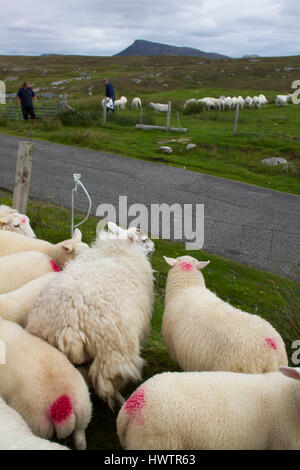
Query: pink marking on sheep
[(24, 220), (184, 266), (61, 409), (271, 343), (54, 266), (135, 404)]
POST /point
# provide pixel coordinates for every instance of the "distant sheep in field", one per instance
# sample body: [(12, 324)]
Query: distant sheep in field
[(203, 332), (98, 309), (191, 101), (259, 101), (15, 433), (42, 385), (283, 100), (241, 101), (249, 101), (121, 103), (136, 103), (12, 220), (158, 107)]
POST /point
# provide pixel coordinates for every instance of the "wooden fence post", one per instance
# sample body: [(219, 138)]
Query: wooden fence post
[(104, 112), (236, 117), (23, 176), (168, 115)]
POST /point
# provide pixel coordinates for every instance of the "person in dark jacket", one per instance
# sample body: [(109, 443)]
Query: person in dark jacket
[(109, 91), (25, 97)]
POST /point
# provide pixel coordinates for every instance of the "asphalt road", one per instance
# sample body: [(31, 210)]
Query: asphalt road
[(256, 226)]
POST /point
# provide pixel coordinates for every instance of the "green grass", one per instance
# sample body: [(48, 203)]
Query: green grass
[(272, 297)]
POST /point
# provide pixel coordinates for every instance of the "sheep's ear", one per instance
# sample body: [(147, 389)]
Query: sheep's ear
[(77, 235), (117, 230), (201, 264), (170, 261), (290, 372), (68, 247), (113, 227), (101, 226), (132, 235)]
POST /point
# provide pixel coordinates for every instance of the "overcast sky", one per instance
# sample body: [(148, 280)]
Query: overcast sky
[(103, 28)]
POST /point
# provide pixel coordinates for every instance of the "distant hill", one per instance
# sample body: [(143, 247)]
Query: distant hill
[(143, 48)]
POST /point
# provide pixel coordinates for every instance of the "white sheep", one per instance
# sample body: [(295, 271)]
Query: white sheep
[(12, 220), (213, 411), (136, 103), (207, 103), (249, 101), (187, 103), (16, 435), (41, 384), (263, 100), (228, 103), (241, 101), (259, 101), (281, 100), (120, 103), (203, 332), (159, 107), (16, 304), (20, 268), (99, 309), (61, 253)]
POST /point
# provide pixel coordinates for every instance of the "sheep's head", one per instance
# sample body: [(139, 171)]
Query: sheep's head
[(68, 249), (186, 264), (134, 234), (16, 222)]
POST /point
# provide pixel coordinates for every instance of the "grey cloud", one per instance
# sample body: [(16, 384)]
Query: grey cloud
[(265, 27)]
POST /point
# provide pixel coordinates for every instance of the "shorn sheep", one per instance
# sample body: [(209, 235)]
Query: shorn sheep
[(43, 386), (120, 103), (13, 221), (203, 332), (61, 253), (20, 268), (16, 435), (213, 411), (136, 103), (283, 100), (159, 107), (16, 305), (99, 309)]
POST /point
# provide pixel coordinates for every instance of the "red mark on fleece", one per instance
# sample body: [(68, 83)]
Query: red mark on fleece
[(271, 343), (23, 220), (61, 409), (135, 404), (186, 266), (54, 266)]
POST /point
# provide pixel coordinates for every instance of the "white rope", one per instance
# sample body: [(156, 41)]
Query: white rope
[(76, 177)]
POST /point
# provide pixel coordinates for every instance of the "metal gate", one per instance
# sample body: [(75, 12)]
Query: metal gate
[(45, 108)]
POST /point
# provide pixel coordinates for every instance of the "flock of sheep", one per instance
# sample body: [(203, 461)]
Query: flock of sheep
[(209, 103), (69, 304)]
